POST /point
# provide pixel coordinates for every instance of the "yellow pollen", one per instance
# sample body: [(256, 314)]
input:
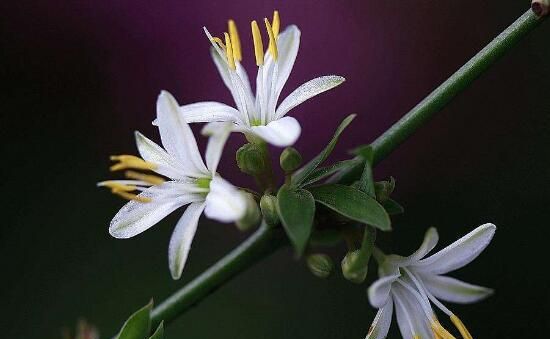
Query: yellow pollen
[(461, 328), (131, 196), (258, 45), (234, 35), (229, 52), (272, 43), (276, 24), (148, 178), (124, 191), (416, 336), (130, 161), (440, 331), (219, 42)]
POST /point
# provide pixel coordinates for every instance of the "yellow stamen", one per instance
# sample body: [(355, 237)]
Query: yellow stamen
[(219, 42), (131, 196), (276, 24), (416, 336), (148, 178), (439, 330), (272, 43), (258, 45), (130, 161), (124, 191), (234, 35), (229, 52), (461, 328)]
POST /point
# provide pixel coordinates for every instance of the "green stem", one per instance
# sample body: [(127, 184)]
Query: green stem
[(265, 240), (259, 245)]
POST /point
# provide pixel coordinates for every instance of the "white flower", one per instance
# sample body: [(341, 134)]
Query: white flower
[(191, 183), (411, 283), (257, 115)]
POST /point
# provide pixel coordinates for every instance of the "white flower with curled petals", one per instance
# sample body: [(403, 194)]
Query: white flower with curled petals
[(191, 182), (412, 284), (258, 116)]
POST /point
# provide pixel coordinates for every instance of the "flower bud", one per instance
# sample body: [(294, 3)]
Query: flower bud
[(352, 269), (384, 189), (252, 215), (251, 159), (320, 265), (268, 205), (290, 159)]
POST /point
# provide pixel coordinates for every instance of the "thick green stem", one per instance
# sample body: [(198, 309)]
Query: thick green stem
[(265, 240)]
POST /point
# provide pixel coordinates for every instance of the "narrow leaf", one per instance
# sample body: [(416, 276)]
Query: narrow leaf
[(296, 208), (305, 171), (138, 325), (393, 207), (159, 333), (323, 172), (352, 203)]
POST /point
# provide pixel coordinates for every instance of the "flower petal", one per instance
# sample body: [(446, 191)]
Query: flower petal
[(307, 91), (459, 253), (151, 152), (177, 137), (430, 241), (182, 237), (379, 291), (454, 290), (209, 111), (225, 202), (382, 321), (411, 318), (218, 134), (282, 132), (136, 217)]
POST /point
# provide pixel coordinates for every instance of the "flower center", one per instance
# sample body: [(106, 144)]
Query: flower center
[(203, 183)]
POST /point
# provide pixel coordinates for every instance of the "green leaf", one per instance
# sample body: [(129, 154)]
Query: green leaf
[(352, 203), (323, 172), (296, 208), (366, 182), (138, 325), (393, 207), (305, 171), (159, 333)]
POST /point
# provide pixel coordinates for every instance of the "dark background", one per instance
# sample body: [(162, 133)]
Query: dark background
[(80, 76)]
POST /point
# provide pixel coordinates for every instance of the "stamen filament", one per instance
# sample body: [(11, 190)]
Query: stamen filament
[(229, 52), (460, 327), (234, 35), (272, 42), (219, 42), (130, 162), (149, 178), (258, 45), (276, 24)]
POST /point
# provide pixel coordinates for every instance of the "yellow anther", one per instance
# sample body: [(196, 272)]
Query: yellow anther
[(461, 328), (131, 196), (124, 191), (440, 331), (229, 52), (236, 41), (219, 42), (148, 178), (130, 161), (276, 24), (258, 45), (272, 43), (416, 336)]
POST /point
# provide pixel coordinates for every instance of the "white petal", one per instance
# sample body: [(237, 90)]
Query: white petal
[(412, 320), (136, 217), (209, 111), (282, 132), (177, 137), (182, 237), (288, 43), (459, 253), (151, 152), (379, 291), (307, 91), (225, 202), (454, 290), (430, 241), (218, 134), (381, 324)]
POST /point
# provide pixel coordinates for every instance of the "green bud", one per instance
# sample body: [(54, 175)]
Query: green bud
[(384, 189), (320, 265), (268, 205), (252, 215), (251, 159), (353, 269), (290, 159)]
